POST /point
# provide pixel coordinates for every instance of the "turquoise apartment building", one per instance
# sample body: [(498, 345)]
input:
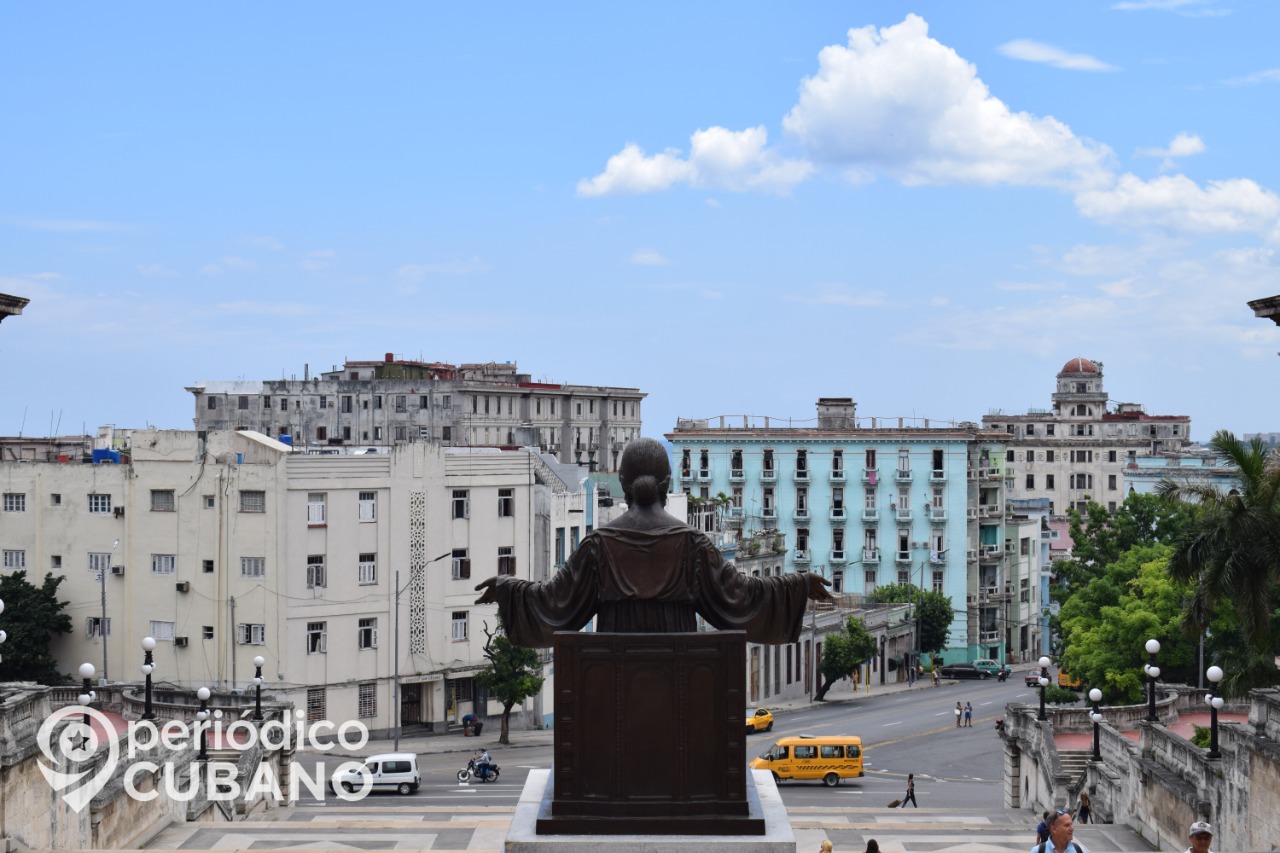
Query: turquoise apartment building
[(867, 502)]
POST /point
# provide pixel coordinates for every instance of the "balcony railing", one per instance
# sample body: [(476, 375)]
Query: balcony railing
[(837, 476), (870, 475), (838, 557), (802, 556), (802, 475), (704, 474), (870, 555), (801, 514), (971, 513), (989, 637), (972, 555), (737, 474), (870, 514), (937, 515), (937, 476), (903, 474), (769, 512), (991, 474), (902, 513), (902, 556), (768, 474)]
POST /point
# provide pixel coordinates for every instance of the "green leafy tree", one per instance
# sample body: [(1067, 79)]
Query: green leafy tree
[(32, 617), (933, 613), (1106, 623), (1099, 537), (1231, 551), (842, 652), (512, 675)]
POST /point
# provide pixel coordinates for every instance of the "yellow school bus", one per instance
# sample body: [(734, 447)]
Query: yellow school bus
[(826, 757)]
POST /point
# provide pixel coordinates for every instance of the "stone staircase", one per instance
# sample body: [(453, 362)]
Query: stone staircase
[(1073, 762)]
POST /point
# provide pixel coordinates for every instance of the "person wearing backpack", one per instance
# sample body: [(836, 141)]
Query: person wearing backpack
[(1061, 835), (1042, 829)]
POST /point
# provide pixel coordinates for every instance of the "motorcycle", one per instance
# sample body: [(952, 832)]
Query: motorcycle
[(489, 774), (1002, 674)]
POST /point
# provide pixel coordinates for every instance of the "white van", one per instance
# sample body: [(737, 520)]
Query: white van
[(394, 771)]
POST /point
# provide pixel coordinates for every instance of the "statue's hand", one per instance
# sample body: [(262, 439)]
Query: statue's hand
[(818, 588), (489, 594)]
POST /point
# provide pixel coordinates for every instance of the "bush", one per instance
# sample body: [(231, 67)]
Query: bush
[(1060, 696), (1201, 737)]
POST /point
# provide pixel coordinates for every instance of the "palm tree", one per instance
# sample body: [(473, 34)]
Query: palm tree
[(1231, 551)]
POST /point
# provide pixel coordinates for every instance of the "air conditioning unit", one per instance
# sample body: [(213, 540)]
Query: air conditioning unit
[(972, 599), (117, 570), (183, 586), (118, 512), (180, 642)]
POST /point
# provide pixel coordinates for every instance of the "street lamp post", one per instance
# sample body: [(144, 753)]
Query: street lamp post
[(257, 688), (87, 672), (1044, 682), (103, 624), (883, 641), (1153, 672), (148, 667), (395, 654), (1095, 696), (1216, 702), (201, 717)]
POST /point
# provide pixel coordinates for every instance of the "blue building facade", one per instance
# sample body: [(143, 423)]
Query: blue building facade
[(866, 505)]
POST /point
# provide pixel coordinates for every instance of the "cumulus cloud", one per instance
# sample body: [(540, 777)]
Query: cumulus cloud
[(718, 158), (648, 258), (1176, 201), (1186, 8), (1182, 145), (1267, 75), (900, 102), (1034, 51)]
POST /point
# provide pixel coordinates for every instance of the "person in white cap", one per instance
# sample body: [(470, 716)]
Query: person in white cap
[(1062, 830), (1201, 836)]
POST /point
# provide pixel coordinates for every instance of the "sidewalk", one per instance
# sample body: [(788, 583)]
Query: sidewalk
[(436, 743)]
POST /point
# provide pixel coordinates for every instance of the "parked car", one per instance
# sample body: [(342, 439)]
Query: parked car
[(987, 665), (395, 771), (759, 720), (1031, 678), (961, 670)]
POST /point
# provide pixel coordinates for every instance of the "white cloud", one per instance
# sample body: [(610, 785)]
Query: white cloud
[(1185, 8), (65, 225), (230, 262), (648, 258), (156, 270), (417, 272), (840, 295), (1268, 75), (900, 102), (272, 243), (318, 260), (1182, 145), (1034, 51), (718, 158), (1176, 201)]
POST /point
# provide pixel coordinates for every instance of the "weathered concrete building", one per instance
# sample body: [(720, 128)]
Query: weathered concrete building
[(224, 546), (395, 401), (1078, 450)]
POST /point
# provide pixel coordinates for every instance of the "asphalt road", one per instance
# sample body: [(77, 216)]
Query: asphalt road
[(902, 733)]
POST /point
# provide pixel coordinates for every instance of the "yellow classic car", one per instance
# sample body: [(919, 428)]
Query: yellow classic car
[(759, 720)]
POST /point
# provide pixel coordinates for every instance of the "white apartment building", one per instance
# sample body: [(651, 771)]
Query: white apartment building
[(229, 545), (1078, 450), (396, 401)]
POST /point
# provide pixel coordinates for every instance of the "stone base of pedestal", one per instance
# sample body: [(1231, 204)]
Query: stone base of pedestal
[(534, 811)]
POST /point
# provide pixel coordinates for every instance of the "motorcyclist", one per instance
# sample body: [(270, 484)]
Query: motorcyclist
[(483, 760)]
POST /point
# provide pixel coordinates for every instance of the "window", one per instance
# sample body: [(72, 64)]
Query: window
[(402, 403), (368, 506), (15, 502), (315, 571), (162, 500), (1048, 456), (206, 631), (208, 501), (506, 503), (377, 401), (461, 564), (1031, 481), (1008, 457), (15, 559), (461, 503), (802, 461), (315, 509), (869, 498), (211, 402), (506, 560), (446, 433), (284, 404), (253, 567), (93, 627), (368, 569), (248, 634), (316, 705), (55, 561), (802, 539), (1111, 482), (100, 562), (1111, 456), (163, 564), (344, 404), (55, 499), (207, 566), (367, 699), (317, 639), (99, 503), (367, 634), (322, 433), (802, 501), (1048, 481), (559, 547), (253, 501), (937, 580), (459, 625), (159, 630)]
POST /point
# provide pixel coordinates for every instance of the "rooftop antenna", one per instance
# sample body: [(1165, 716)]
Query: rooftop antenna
[(24, 421)]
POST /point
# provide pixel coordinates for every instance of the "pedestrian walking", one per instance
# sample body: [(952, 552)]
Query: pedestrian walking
[(959, 714), (911, 792), (1042, 829), (1061, 835), (936, 681), (872, 846), (968, 715), (1082, 813)]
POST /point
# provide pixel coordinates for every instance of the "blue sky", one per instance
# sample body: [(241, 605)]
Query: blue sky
[(736, 207)]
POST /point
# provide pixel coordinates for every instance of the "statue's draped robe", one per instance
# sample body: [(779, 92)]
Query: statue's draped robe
[(651, 581)]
